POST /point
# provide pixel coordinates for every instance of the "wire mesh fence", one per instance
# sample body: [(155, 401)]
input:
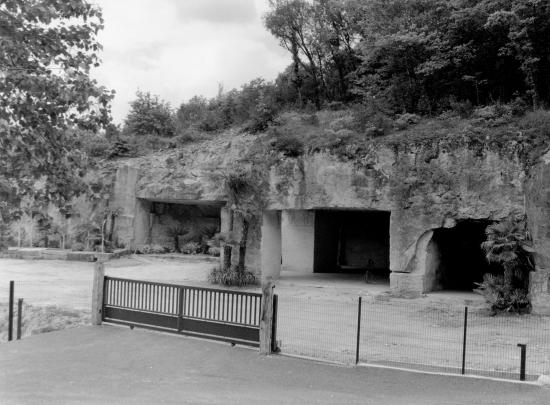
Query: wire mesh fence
[(75, 294), (428, 337), (322, 331), (47, 306)]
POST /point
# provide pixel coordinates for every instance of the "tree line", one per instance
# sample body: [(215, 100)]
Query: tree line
[(404, 56)]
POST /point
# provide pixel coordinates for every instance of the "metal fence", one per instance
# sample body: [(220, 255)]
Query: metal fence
[(429, 337), (206, 312)]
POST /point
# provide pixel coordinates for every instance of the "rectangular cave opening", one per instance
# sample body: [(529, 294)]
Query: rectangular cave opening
[(184, 226), (352, 241), (457, 258)]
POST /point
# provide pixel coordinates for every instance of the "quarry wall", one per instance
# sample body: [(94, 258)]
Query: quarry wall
[(424, 186)]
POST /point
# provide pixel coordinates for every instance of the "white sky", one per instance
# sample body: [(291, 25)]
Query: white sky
[(179, 48)]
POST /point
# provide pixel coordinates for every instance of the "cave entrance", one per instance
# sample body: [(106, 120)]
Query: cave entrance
[(352, 241), (455, 258), (184, 226)]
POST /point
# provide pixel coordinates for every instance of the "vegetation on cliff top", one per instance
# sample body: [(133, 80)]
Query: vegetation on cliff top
[(398, 72)]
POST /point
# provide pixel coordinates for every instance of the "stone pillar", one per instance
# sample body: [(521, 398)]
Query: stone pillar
[(271, 245), (141, 223), (298, 231), (420, 274), (124, 198)]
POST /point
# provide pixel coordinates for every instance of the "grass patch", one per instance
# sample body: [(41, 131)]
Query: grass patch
[(42, 319)]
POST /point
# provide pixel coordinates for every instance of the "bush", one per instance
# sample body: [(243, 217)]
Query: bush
[(95, 145), (231, 277), (311, 119), (288, 145), (538, 121), (501, 296), (191, 248), (151, 249), (462, 108), (404, 120), (119, 148), (214, 251), (78, 247)]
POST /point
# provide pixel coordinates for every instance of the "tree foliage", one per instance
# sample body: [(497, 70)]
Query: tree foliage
[(416, 56), (149, 115), (47, 48)]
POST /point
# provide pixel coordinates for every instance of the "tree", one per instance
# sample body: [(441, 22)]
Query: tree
[(292, 22), (47, 48), (436, 50), (149, 115)]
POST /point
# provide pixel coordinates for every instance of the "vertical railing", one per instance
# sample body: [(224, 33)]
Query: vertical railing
[(240, 308)]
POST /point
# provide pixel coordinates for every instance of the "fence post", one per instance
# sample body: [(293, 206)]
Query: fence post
[(19, 316), (180, 308), (266, 318), (464, 340), (97, 292), (274, 348), (523, 355), (10, 314), (358, 330)]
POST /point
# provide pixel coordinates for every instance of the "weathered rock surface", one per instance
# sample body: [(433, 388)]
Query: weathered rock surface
[(424, 186)]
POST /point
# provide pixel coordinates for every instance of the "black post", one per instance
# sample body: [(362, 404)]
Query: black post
[(358, 330), (464, 340), (274, 348), (19, 317), (181, 298), (523, 348), (10, 314)]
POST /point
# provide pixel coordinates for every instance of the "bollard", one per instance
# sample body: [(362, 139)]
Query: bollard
[(523, 355), (10, 314), (19, 317)]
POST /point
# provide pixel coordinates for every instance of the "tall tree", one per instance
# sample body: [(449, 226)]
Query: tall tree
[(292, 22), (47, 48)]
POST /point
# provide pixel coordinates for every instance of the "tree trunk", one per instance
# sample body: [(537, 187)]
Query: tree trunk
[(111, 227), (227, 257), (242, 245)]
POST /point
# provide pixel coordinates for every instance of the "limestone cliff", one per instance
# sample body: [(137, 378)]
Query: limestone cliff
[(426, 184)]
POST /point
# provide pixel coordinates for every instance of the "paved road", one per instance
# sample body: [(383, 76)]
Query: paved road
[(112, 365)]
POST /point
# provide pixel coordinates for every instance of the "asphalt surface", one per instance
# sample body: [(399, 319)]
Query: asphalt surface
[(113, 365)]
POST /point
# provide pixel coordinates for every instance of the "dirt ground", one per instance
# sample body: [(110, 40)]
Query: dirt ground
[(111, 365), (68, 283)]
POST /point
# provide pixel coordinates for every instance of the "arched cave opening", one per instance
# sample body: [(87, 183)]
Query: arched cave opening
[(456, 260)]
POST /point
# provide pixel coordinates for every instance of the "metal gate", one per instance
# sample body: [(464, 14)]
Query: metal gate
[(232, 316)]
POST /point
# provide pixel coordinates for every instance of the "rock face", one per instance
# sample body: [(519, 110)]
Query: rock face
[(538, 214), (424, 187)]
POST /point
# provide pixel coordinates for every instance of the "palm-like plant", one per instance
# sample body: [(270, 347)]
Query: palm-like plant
[(509, 245)]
